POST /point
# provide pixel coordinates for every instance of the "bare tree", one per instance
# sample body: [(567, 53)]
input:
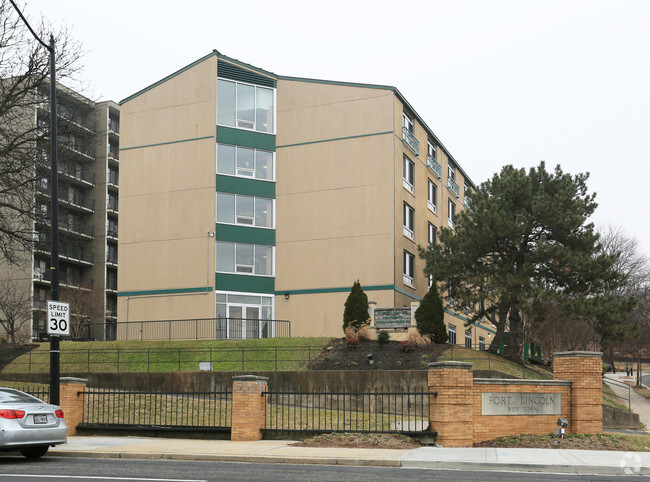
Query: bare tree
[(84, 304), (16, 310), (24, 68)]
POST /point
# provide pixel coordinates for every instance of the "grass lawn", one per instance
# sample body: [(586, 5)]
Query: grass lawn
[(158, 356), (483, 360)]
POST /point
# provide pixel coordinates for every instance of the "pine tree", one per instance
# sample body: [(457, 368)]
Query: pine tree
[(526, 239), (356, 307), (430, 316)]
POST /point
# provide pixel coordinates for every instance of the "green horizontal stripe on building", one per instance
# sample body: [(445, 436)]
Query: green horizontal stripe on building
[(245, 234), (249, 187), (166, 143), (334, 139), (467, 320), (172, 291), (244, 283), (333, 290), (245, 138)]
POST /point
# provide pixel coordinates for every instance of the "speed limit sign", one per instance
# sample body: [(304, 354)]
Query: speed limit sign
[(58, 318)]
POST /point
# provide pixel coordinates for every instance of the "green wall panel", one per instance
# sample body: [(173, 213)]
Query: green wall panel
[(240, 185), (244, 138), (238, 282), (245, 234)]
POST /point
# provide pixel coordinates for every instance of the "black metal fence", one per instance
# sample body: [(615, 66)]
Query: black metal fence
[(621, 390), (185, 329), (42, 393), (77, 361), (191, 410), (347, 411)]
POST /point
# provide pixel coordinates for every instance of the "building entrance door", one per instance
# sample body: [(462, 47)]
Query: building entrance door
[(243, 321)]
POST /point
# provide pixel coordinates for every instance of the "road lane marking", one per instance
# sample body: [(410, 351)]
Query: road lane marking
[(86, 477)]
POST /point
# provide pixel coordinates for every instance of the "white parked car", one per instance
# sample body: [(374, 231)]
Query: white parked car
[(28, 424)]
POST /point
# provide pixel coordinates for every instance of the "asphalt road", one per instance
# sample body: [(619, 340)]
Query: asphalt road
[(13, 468)]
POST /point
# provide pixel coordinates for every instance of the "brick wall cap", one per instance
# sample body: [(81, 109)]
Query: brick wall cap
[(249, 378), (514, 381), (459, 365), (73, 380), (578, 353)]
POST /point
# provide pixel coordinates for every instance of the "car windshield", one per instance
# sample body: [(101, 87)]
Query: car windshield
[(14, 396)]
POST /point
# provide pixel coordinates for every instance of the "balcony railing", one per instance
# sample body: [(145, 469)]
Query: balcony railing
[(111, 258), (113, 126), (453, 185), (411, 140), (467, 201), (435, 166)]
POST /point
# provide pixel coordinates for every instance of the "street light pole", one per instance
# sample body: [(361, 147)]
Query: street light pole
[(54, 211)]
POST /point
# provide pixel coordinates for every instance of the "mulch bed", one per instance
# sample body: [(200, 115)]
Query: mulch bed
[(570, 441), (361, 441), (391, 356)]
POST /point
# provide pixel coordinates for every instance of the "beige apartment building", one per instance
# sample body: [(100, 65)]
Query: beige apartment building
[(88, 185), (252, 196)]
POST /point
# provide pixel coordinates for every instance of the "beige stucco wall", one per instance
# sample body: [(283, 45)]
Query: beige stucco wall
[(335, 204), (167, 196)]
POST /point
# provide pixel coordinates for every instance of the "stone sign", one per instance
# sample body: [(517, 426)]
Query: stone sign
[(392, 316), (521, 404)]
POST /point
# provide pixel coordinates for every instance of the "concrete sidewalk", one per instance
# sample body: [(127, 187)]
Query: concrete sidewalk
[(638, 404), (274, 451)]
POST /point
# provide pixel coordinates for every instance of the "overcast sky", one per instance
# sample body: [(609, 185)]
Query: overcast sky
[(499, 82)]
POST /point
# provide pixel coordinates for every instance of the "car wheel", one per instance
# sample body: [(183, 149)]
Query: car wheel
[(34, 452)]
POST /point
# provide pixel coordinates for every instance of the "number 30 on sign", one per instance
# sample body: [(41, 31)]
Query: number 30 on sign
[(58, 318)]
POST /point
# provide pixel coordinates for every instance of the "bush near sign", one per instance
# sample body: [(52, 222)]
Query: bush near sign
[(521, 403)]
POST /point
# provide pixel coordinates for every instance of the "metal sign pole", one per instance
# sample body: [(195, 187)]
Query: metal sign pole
[(54, 236)]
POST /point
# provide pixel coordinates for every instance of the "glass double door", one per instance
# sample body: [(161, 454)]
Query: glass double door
[(244, 321)]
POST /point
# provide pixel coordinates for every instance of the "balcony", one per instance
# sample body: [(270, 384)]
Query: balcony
[(435, 166), (111, 233), (409, 138), (467, 201), (76, 228), (453, 186), (77, 201), (113, 126), (111, 258)]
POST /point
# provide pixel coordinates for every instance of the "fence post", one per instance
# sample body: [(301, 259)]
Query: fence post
[(451, 408), (248, 407), (584, 370), (71, 402)]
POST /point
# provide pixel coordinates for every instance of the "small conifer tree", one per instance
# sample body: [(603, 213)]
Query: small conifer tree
[(430, 316), (356, 308)]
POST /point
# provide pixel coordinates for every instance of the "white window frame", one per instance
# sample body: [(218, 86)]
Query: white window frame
[(451, 171), (452, 331), (409, 269), (408, 170), (431, 196), (254, 160), (408, 122), (409, 222), (253, 128), (235, 217), (468, 338), (431, 150), (432, 234), (252, 272), (481, 343), (451, 213)]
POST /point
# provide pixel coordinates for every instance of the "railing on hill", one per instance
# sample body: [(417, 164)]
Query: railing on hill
[(168, 330), (77, 361), (187, 410), (622, 388), (323, 412)]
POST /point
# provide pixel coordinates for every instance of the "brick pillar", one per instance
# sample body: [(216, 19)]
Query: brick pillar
[(248, 407), (451, 411), (71, 402), (584, 370)]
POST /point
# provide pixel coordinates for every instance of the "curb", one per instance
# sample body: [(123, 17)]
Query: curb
[(233, 458), (396, 463)]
